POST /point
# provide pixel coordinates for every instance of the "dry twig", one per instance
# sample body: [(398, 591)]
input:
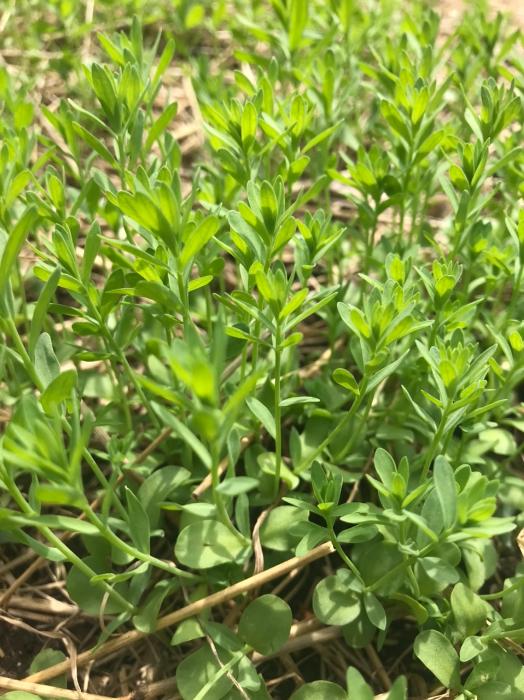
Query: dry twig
[(191, 610)]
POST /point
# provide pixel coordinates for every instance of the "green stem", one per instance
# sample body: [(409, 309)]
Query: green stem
[(277, 411), (123, 546), (184, 297), (24, 356), (217, 496), (31, 371), (435, 442), (505, 591), (343, 423), (377, 584), (434, 329), (338, 547), (223, 670), (112, 346), (56, 542), (355, 433), (120, 389)]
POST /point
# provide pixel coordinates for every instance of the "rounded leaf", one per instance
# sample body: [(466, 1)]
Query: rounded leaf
[(320, 690), (207, 543), (197, 670), (265, 624), (334, 603), (276, 532)]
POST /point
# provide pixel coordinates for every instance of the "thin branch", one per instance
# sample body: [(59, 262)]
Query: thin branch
[(50, 691), (191, 610)]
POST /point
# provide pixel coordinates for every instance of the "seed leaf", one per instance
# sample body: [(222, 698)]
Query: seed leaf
[(265, 624)]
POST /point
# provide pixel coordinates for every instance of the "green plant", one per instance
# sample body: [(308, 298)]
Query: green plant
[(299, 334)]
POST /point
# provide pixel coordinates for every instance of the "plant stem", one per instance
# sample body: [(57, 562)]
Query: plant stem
[(343, 423), (277, 410), (500, 594), (338, 547), (355, 434), (31, 371), (222, 671), (435, 442), (217, 496), (24, 356), (113, 539), (56, 542)]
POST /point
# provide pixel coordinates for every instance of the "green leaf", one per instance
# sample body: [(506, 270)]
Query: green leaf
[(357, 687), (345, 379), (187, 436), (95, 143), (186, 631), (145, 620), (103, 88), (438, 655), (472, 647), (276, 534), (469, 610), (385, 467), (45, 659), (248, 125), (160, 125), (320, 690), (15, 241), (418, 611), (444, 479), (46, 364), (265, 624), (165, 59), (50, 553), (334, 603), (375, 611), (60, 494), (298, 16), (458, 178), (140, 208), (293, 304), (59, 522), (385, 372), (198, 238), (89, 597), (399, 689), (58, 390), (264, 415), (323, 134), (200, 668), (236, 485), (138, 522), (207, 543), (298, 401), (40, 311)]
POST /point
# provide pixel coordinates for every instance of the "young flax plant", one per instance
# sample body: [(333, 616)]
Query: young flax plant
[(282, 321)]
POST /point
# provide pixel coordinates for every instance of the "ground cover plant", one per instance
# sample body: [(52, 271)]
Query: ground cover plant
[(262, 360)]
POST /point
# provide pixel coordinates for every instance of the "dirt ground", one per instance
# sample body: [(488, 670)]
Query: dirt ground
[(452, 9)]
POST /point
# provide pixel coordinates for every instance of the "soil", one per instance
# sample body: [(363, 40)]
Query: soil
[(17, 648)]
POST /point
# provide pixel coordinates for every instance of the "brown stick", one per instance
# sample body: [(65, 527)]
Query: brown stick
[(302, 641), (24, 576), (50, 691), (184, 613), (379, 668)]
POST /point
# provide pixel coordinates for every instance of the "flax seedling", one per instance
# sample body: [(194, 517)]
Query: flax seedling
[(261, 292)]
